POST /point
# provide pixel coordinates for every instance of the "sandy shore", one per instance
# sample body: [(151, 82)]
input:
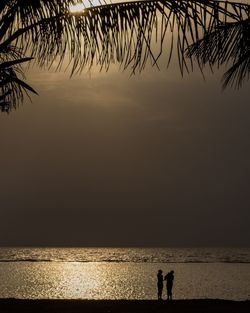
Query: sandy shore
[(123, 306)]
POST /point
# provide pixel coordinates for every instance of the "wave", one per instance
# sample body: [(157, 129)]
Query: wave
[(126, 255), (124, 261)]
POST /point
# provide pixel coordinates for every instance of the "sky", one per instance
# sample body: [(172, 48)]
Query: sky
[(110, 159)]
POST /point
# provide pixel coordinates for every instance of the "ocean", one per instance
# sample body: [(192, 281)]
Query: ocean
[(123, 273)]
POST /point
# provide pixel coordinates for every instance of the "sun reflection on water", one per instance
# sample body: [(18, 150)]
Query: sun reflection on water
[(108, 280), (82, 283)]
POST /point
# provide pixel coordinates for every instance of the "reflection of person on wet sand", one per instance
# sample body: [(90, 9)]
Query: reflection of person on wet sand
[(170, 280), (160, 284)]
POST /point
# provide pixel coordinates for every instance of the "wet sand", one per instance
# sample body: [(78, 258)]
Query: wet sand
[(123, 306)]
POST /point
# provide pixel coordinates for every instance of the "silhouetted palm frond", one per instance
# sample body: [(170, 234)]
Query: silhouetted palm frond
[(43, 29), (12, 85), (127, 32), (122, 32), (227, 43), (130, 34), (40, 27)]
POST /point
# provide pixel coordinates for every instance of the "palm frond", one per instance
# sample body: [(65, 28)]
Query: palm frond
[(226, 43), (12, 87), (115, 32), (125, 33)]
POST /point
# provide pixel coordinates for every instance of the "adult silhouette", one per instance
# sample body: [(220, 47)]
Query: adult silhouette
[(170, 280), (160, 284)]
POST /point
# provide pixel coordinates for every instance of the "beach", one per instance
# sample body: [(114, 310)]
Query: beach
[(123, 306)]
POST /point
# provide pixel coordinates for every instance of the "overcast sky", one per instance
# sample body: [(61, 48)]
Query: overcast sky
[(105, 159)]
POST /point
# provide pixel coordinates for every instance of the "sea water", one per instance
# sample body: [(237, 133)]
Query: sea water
[(123, 273)]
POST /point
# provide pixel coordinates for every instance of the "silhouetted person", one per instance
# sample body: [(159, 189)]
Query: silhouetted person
[(170, 280), (160, 284)]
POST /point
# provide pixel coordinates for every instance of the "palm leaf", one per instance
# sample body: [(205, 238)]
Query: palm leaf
[(12, 87), (8, 64), (109, 33), (124, 33)]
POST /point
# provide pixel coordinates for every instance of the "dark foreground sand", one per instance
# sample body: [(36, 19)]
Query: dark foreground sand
[(123, 306)]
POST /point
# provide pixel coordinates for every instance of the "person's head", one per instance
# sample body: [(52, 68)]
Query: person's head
[(160, 272), (172, 272)]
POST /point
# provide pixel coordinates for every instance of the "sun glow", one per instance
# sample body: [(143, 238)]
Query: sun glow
[(77, 8)]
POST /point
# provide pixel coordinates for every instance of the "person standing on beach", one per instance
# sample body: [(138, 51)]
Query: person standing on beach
[(170, 280), (160, 284)]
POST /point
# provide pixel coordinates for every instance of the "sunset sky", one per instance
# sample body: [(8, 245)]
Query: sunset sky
[(110, 159)]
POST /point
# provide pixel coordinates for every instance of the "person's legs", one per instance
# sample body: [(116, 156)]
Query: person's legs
[(160, 287), (169, 292)]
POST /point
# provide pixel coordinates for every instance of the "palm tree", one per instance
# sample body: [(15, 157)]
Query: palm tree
[(47, 30)]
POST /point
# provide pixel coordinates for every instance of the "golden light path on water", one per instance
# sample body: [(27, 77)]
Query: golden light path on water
[(125, 280)]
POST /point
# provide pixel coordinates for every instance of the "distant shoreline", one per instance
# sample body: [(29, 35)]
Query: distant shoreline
[(12, 305)]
